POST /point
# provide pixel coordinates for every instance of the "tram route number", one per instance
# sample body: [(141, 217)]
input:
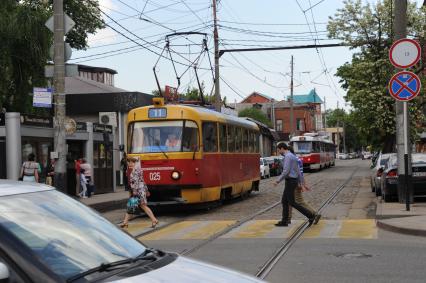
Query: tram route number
[(154, 176)]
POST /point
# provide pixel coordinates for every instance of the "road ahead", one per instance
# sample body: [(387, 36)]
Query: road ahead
[(346, 245)]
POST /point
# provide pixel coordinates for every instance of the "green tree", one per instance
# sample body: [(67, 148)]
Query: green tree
[(369, 29), (25, 43), (255, 114)]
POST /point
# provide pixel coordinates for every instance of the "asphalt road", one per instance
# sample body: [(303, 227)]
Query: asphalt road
[(345, 246)]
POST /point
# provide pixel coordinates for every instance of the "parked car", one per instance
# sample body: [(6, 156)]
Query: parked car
[(275, 164), (342, 156), (264, 169), (377, 170), (389, 180), (353, 155), (47, 236), (366, 155)]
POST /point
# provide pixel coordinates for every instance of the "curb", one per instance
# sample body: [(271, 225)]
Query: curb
[(401, 230), (109, 205)]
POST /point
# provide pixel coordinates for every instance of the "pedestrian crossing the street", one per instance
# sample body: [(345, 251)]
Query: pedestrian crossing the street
[(198, 230)]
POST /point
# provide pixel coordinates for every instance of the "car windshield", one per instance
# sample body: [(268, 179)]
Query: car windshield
[(163, 136), (302, 147), (67, 236)]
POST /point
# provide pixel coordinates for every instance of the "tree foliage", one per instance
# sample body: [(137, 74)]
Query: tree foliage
[(255, 114), (25, 43), (369, 29)]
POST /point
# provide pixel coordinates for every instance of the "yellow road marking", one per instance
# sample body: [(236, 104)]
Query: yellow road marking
[(208, 230), (167, 232), (315, 230), (256, 229), (137, 226), (358, 229)]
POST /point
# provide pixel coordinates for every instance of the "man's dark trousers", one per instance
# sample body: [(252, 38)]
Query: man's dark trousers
[(288, 199)]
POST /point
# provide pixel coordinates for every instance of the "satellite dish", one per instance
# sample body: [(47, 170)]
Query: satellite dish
[(70, 126)]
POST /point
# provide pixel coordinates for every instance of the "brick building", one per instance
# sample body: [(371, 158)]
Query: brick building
[(256, 97)]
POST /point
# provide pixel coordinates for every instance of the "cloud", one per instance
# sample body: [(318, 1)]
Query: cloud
[(106, 35)]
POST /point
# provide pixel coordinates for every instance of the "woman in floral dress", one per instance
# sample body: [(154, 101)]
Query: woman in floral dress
[(138, 193)]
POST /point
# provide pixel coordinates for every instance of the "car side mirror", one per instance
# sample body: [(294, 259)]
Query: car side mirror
[(4, 273)]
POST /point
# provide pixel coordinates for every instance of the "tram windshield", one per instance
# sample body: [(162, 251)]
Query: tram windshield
[(302, 147), (163, 136)]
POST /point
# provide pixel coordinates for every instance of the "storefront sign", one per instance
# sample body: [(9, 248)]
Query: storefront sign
[(102, 128), (32, 120), (81, 127)]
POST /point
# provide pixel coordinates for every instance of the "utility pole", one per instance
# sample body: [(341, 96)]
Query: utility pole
[(291, 101), (403, 148), (338, 129), (325, 114), (273, 113), (217, 103), (59, 94)]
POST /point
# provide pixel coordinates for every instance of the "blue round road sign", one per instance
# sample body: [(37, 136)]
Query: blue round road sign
[(404, 86)]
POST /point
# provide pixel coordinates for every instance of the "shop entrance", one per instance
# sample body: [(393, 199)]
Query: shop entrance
[(75, 151), (102, 164)]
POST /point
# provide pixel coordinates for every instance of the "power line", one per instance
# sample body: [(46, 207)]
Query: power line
[(267, 24)]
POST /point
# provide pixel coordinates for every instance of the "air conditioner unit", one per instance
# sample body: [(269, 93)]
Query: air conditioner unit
[(108, 118)]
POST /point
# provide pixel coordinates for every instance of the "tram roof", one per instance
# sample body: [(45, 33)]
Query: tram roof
[(311, 138), (208, 114)]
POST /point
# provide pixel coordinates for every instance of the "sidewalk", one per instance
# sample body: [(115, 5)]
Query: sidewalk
[(107, 202), (394, 217)]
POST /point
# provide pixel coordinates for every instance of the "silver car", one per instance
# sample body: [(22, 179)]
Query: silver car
[(377, 170), (46, 236)]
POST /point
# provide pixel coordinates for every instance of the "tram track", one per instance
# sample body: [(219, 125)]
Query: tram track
[(269, 265), (266, 183)]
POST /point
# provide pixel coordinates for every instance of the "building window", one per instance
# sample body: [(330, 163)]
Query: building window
[(279, 125), (300, 125)]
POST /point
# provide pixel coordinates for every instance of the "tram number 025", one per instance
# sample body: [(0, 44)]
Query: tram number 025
[(154, 176)]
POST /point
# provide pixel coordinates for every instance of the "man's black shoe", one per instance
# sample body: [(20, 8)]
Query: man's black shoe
[(317, 218), (281, 224)]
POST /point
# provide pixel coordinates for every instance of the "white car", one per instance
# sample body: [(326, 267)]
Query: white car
[(342, 156), (46, 236), (264, 169), (367, 155), (376, 172)]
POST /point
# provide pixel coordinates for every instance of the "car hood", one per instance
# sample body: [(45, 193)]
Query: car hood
[(185, 270)]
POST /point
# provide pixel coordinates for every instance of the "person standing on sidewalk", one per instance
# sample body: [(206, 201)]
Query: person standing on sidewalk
[(124, 167), (29, 169), (77, 176), (88, 176), (138, 193), (298, 197), (293, 178)]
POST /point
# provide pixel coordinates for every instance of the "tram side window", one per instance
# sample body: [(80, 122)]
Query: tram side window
[(190, 136), (222, 138), (209, 137), (245, 140), (231, 138), (256, 142), (250, 142), (238, 140), (316, 147)]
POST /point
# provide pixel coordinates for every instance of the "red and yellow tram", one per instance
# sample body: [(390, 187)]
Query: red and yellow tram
[(316, 151), (190, 154)]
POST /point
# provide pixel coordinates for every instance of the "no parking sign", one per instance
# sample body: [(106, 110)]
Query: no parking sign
[(404, 86)]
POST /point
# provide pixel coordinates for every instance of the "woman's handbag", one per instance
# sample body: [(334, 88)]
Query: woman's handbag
[(132, 204)]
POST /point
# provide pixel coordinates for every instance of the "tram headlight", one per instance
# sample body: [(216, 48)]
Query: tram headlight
[(175, 175)]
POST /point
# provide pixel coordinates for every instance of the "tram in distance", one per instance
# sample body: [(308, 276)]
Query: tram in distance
[(193, 155), (316, 151)]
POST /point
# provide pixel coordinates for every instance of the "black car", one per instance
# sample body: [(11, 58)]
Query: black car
[(389, 180)]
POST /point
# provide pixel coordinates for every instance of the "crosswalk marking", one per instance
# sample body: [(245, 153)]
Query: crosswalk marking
[(188, 230)]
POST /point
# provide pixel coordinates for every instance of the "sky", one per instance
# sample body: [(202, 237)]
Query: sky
[(144, 24)]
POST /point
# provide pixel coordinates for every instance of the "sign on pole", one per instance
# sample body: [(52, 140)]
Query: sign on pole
[(42, 97), (68, 23), (404, 53), (404, 86)]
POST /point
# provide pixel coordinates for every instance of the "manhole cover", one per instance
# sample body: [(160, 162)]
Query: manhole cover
[(352, 255)]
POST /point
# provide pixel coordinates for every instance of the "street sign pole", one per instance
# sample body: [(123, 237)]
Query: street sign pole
[(407, 175)]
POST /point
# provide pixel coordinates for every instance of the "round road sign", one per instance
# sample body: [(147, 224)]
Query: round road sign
[(404, 86), (404, 53)]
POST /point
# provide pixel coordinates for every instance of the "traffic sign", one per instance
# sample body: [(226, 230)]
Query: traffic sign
[(404, 86), (67, 52), (68, 23), (404, 53), (42, 97)]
